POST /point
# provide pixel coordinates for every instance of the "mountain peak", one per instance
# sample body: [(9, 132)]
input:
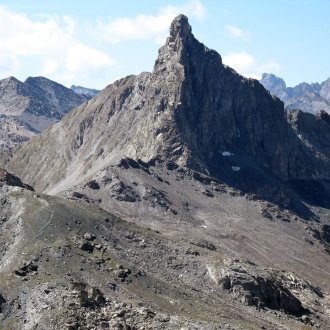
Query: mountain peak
[(189, 110), (180, 27), (10, 80), (182, 50), (269, 79)]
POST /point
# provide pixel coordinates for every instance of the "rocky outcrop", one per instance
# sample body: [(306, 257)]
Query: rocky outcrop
[(28, 267), (305, 97), (12, 180), (267, 288)]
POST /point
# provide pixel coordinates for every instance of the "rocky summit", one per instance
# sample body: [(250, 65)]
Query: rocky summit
[(184, 198)]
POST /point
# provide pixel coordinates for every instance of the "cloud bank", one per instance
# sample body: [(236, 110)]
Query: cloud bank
[(52, 42), (245, 64)]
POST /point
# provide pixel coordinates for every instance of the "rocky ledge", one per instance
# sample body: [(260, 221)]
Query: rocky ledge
[(271, 289), (12, 180)]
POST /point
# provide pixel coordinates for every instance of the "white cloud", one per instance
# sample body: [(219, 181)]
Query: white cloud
[(236, 32), (52, 42), (242, 61), (245, 64), (146, 27), (196, 9)]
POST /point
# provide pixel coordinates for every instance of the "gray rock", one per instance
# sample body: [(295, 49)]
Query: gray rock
[(98, 246), (205, 244), (26, 269), (305, 318), (263, 288), (93, 185), (89, 236), (87, 246)]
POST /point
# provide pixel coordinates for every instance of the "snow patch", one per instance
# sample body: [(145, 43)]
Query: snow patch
[(227, 154), (236, 168)]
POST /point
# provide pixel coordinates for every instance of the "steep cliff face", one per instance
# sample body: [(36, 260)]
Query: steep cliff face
[(221, 110), (191, 109)]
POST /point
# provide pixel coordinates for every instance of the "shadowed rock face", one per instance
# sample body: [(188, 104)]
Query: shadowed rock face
[(266, 288), (190, 110), (221, 110), (12, 180)]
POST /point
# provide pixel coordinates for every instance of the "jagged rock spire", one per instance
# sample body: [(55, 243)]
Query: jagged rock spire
[(180, 28)]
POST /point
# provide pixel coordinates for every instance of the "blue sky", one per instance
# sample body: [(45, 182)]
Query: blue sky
[(93, 43)]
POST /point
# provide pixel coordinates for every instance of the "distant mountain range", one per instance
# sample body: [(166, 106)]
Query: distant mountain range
[(89, 92), (306, 97), (27, 108)]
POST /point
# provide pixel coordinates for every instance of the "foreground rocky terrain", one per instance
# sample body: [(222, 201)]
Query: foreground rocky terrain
[(81, 267), (305, 97), (27, 108), (185, 198)]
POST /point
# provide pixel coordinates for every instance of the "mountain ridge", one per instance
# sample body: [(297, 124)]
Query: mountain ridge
[(311, 98), (187, 99), (27, 108)]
